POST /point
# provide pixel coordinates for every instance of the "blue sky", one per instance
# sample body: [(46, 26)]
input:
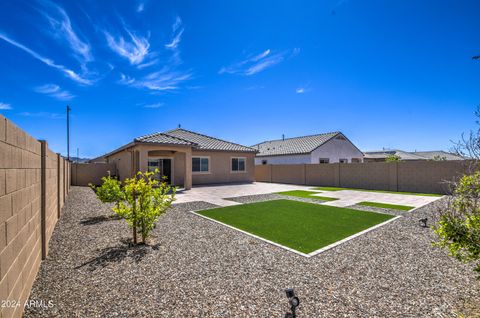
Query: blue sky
[(394, 74)]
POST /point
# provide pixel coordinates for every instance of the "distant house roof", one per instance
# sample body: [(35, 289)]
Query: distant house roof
[(438, 154), (181, 136), (293, 146), (382, 154), (416, 155)]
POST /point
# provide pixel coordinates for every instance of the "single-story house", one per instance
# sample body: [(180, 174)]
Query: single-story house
[(184, 158), (382, 155), (322, 148)]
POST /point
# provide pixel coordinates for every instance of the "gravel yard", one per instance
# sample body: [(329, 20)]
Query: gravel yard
[(198, 268)]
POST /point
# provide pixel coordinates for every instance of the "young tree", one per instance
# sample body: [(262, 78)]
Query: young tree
[(140, 201), (110, 191)]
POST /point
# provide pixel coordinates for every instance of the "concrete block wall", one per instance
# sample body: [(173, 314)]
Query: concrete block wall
[(25, 204), (409, 176), (84, 174)]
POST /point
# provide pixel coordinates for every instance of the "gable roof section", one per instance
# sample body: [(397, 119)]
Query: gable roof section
[(438, 153), (293, 146), (204, 142), (181, 136), (162, 138)]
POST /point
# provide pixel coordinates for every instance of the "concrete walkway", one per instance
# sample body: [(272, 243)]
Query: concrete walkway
[(218, 193)]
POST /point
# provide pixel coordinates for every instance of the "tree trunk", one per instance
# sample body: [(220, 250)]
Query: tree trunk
[(134, 214)]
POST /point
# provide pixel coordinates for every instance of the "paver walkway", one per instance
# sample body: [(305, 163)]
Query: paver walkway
[(218, 193)]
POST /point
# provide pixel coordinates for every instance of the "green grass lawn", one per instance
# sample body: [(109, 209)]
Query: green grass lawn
[(386, 205), (302, 226), (381, 191), (306, 194)]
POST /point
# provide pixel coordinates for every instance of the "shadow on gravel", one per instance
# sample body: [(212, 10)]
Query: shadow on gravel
[(99, 219), (117, 254)]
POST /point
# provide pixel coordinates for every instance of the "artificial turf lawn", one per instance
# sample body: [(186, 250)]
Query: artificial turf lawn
[(305, 227), (306, 194), (381, 191), (386, 205)]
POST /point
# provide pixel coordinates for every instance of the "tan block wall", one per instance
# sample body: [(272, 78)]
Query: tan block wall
[(21, 236), (410, 176), (85, 173), (220, 168), (294, 174)]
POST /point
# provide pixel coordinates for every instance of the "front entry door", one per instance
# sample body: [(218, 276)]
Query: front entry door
[(164, 166)]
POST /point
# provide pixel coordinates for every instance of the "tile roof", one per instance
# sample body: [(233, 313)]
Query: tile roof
[(438, 154), (185, 137), (162, 138), (296, 145), (416, 155)]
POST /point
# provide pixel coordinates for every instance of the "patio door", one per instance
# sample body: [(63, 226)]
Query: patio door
[(164, 166)]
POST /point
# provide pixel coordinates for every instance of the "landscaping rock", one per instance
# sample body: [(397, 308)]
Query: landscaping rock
[(199, 268)]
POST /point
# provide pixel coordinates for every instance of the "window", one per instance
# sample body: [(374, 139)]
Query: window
[(264, 162), (343, 160), (201, 164), (356, 160), (323, 160), (238, 164)]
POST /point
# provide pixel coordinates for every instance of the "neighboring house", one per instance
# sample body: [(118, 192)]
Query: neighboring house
[(322, 148), (184, 158), (382, 155)]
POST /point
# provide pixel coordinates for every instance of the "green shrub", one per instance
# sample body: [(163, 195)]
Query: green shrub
[(458, 228)]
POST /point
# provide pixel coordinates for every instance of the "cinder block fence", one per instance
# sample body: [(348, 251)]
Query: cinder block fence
[(410, 176), (34, 183)]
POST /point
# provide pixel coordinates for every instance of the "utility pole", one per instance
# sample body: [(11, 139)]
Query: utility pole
[(78, 154), (68, 132)]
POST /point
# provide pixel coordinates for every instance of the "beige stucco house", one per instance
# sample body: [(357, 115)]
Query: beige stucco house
[(184, 158)]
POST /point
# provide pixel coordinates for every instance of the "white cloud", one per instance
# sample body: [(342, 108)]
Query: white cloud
[(257, 63), (154, 105), (67, 72), (54, 91), (300, 90), (134, 49), (177, 36), (5, 106), (62, 28), (162, 81), (141, 7), (43, 115), (175, 41), (177, 23)]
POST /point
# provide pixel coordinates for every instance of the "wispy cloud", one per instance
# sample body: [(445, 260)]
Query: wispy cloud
[(135, 49), (177, 34), (300, 90), (257, 63), (67, 72), (54, 91), (164, 80), (62, 28), (43, 115), (154, 105), (141, 7), (5, 106)]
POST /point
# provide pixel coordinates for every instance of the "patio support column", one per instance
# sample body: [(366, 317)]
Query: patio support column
[(188, 170), (143, 158)]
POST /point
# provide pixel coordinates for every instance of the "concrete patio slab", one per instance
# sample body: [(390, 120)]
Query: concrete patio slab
[(218, 193)]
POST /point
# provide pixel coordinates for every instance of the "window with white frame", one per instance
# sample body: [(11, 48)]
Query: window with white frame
[(343, 160), (324, 160), (238, 164), (201, 164)]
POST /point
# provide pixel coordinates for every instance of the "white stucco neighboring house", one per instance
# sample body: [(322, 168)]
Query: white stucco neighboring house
[(330, 147)]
